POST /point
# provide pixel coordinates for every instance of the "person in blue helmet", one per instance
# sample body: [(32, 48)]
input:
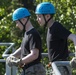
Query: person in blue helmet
[(57, 34), (28, 55)]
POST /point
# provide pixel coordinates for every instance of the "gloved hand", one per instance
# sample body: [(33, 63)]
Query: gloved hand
[(10, 61), (73, 62), (18, 63)]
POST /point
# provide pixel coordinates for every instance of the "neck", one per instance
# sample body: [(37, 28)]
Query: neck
[(29, 26), (50, 23)]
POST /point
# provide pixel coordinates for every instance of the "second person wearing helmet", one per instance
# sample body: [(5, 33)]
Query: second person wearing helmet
[(57, 35), (30, 50)]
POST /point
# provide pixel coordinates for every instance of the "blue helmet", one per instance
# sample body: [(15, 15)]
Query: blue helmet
[(20, 13), (45, 8)]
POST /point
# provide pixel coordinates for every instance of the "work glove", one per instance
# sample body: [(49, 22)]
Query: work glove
[(17, 63), (10, 61), (73, 62)]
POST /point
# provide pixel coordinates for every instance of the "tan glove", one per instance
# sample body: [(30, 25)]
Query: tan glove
[(18, 63), (73, 62), (10, 60), (13, 61)]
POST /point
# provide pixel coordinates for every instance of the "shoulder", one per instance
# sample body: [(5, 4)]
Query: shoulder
[(34, 33), (59, 26), (56, 26)]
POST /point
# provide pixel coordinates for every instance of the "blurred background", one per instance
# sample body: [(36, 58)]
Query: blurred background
[(65, 13)]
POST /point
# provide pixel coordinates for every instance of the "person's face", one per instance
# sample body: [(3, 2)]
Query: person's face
[(40, 20), (19, 25)]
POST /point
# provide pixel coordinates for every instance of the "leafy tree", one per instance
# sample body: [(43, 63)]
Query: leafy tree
[(65, 13)]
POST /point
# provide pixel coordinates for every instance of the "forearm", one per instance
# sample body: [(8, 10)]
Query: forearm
[(31, 57), (28, 59), (17, 53)]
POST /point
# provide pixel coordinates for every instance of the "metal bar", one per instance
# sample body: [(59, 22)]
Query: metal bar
[(61, 63), (7, 50), (55, 69), (46, 54), (6, 44), (9, 70), (2, 60)]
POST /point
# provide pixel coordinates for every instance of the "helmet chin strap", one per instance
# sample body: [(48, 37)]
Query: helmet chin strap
[(24, 25), (46, 21)]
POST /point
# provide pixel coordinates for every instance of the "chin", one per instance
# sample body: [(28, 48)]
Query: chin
[(42, 25)]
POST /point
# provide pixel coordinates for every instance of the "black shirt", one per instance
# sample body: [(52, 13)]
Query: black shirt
[(57, 42), (31, 40)]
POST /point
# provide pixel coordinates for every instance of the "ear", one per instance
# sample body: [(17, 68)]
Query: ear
[(47, 16)]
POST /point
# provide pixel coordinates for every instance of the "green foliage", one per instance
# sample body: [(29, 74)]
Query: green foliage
[(65, 13)]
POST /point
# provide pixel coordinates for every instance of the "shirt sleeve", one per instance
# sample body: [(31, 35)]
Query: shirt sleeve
[(35, 42), (62, 32)]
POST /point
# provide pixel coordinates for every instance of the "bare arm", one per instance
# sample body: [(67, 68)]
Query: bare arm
[(73, 38), (30, 57), (17, 53)]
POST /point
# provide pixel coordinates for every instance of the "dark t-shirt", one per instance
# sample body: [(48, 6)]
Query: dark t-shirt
[(31, 41), (57, 42)]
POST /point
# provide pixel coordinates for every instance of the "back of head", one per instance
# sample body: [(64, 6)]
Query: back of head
[(20, 13), (45, 8)]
